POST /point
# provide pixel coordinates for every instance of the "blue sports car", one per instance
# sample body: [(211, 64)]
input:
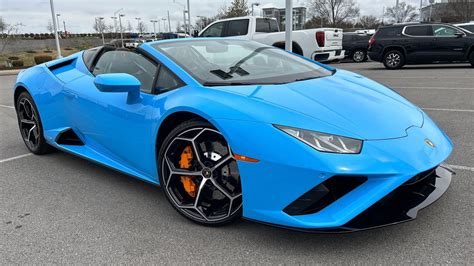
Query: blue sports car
[(232, 128)]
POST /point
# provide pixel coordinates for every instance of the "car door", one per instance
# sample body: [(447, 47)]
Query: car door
[(449, 43), (419, 44), (123, 132)]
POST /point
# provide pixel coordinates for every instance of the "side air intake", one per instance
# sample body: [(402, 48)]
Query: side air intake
[(69, 137), (324, 194)]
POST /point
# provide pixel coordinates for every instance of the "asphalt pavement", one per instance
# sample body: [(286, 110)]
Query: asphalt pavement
[(58, 208)]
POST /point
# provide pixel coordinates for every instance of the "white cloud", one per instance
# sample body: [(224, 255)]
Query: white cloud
[(79, 14)]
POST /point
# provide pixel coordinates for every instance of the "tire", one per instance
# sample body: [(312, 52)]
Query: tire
[(471, 58), (359, 56), (193, 153), (29, 122), (393, 59)]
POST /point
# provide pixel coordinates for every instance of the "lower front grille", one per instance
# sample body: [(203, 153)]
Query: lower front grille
[(324, 194)]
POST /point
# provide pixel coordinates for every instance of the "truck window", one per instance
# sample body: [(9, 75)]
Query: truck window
[(266, 25), (237, 27), (214, 30)]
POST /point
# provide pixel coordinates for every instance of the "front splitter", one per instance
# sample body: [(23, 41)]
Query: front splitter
[(401, 205)]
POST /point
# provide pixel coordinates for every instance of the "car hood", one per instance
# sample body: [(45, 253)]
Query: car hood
[(347, 101)]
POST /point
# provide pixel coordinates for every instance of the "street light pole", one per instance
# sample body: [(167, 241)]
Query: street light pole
[(254, 4), (169, 21), (57, 19), (101, 27), (53, 15), (189, 19), (154, 26), (138, 25), (184, 16), (164, 24), (121, 29), (288, 25), (398, 11)]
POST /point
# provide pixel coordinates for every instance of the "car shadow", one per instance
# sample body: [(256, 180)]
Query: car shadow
[(271, 237)]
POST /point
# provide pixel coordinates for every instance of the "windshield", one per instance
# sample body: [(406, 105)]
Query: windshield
[(237, 62)]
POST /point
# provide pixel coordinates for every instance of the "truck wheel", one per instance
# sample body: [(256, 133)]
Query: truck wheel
[(393, 59), (359, 56)]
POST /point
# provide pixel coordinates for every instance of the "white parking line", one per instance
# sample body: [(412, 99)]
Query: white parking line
[(431, 88), (448, 110), (16, 157), (7, 106), (461, 167)]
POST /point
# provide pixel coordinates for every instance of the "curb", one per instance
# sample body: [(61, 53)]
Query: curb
[(10, 72)]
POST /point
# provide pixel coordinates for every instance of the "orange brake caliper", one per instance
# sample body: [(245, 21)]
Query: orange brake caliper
[(185, 163)]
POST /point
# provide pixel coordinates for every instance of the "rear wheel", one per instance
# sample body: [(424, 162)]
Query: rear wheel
[(393, 59), (199, 175), (471, 58), (30, 125), (359, 56)]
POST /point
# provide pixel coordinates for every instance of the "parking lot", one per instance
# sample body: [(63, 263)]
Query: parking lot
[(59, 208)]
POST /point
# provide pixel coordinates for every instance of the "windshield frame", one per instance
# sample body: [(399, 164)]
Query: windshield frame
[(257, 81)]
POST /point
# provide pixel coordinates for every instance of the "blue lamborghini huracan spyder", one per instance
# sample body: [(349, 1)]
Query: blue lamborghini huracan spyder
[(232, 128)]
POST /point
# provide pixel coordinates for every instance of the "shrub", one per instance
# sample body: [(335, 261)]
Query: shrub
[(48, 51), (17, 63), (39, 59), (13, 58)]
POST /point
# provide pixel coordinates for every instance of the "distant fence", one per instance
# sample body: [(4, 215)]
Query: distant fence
[(22, 45)]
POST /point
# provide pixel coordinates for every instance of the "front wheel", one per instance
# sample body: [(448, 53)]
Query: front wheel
[(393, 59), (199, 175), (30, 125)]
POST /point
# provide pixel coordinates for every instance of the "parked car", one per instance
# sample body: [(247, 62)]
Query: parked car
[(421, 43), (355, 46), (467, 26), (324, 44)]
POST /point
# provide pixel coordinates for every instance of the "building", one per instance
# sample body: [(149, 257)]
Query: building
[(299, 16), (448, 11)]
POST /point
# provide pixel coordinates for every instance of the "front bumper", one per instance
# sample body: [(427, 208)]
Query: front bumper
[(401, 205), (289, 169)]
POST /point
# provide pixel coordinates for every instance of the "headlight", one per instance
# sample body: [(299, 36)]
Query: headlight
[(324, 142)]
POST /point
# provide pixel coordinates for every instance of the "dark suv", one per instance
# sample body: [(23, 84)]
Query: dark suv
[(421, 43), (355, 45)]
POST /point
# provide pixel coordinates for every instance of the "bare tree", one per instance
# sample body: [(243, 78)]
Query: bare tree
[(369, 22), (404, 13), (50, 27), (335, 12), (463, 9), (129, 27), (10, 30), (3, 25), (141, 27), (99, 25)]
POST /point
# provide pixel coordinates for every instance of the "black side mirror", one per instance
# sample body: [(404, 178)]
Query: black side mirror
[(459, 34)]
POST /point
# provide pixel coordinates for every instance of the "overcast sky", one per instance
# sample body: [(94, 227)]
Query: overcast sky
[(79, 14)]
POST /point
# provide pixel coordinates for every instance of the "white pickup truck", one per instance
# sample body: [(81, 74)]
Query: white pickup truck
[(323, 44)]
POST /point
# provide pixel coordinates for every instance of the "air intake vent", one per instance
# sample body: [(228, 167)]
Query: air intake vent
[(324, 194), (69, 137)]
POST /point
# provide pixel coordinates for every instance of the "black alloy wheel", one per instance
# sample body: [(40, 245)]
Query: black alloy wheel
[(394, 59), (199, 174), (359, 56), (30, 125)]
